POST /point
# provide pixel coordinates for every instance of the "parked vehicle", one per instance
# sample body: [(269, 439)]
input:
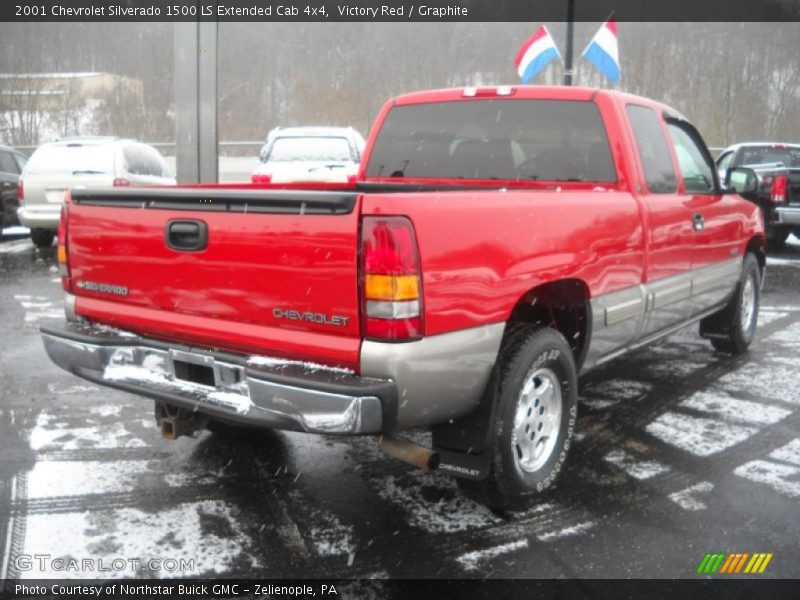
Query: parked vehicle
[(11, 164), (778, 169), (87, 162), (498, 242), (309, 154)]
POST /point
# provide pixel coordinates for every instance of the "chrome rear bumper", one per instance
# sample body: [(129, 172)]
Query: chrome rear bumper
[(268, 393), (788, 215)]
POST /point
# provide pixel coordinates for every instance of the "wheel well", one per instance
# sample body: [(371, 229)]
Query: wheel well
[(757, 245), (562, 305)]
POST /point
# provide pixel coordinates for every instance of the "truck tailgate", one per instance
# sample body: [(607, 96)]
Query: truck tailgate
[(277, 273)]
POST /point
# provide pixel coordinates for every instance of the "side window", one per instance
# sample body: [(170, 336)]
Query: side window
[(723, 162), (133, 160), (653, 150), (21, 162), (155, 165), (7, 163), (697, 173)]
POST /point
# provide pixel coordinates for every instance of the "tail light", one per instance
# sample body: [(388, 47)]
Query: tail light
[(259, 178), (121, 182), (20, 191), (779, 187), (63, 250), (391, 280)]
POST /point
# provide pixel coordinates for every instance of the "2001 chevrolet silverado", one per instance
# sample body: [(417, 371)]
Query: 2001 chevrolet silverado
[(495, 243)]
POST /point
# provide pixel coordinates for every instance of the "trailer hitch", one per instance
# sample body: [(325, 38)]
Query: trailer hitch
[(175, 421)]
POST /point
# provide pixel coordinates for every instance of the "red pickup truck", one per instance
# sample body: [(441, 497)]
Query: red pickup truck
[(495, 243)]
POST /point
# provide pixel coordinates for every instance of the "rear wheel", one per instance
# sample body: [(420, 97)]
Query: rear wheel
[(42, 238), (734, 327), (535, 388)]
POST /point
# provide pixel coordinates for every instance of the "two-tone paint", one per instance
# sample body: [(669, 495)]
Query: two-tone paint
[(645, 263)]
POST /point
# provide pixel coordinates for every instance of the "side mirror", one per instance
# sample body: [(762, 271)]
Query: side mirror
[(741, 180)]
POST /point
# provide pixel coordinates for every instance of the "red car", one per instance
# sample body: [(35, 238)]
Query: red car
[(495, 243)]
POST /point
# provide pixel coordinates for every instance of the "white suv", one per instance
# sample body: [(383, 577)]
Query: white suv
[(56, 167), (309, 154)]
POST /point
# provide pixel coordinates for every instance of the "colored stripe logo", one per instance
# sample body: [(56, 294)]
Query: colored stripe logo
[(734, 563)]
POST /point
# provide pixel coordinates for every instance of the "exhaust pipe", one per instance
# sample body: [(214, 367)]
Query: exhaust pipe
[(409, 452)]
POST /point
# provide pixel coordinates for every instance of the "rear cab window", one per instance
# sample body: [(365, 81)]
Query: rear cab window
[(654, 155), (788, 156), (509, 139)]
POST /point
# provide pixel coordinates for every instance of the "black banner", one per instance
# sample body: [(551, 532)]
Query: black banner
[(752, 587), (397, 10)]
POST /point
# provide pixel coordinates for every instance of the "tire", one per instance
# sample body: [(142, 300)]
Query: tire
[(733, 328), (536, 370), (42, 238)]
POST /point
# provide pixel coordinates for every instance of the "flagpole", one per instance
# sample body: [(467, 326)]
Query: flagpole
[(568, 57)]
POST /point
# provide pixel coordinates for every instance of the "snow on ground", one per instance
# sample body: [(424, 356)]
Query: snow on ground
[(329, 536), (471, 561), (781, 472), (698, 435), (777, 382), (688, 499), (40, 307), (52, 479), (15, 230), (576, 529), (773, 261), (58, 389), (765, 317), (734, 409), (204, 532), (50, 434), (789, 453), (782, 478), (15, 246), (603, 394), (638, 469), (450, 513), (790, 336)]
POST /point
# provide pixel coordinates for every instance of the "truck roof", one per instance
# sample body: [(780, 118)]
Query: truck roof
[(531, 92), (761, 145)]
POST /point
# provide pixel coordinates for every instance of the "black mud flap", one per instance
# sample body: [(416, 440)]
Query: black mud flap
[(463, 465), (463, 445)]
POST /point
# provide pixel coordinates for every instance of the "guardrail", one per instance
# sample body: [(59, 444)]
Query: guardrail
[(221, 145), (715, 150)]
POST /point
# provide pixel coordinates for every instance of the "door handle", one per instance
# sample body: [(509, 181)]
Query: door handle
[(698, 222), (187, 236)]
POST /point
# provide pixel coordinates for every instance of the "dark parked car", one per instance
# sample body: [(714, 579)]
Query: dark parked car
[(778, 170), (11, 163)]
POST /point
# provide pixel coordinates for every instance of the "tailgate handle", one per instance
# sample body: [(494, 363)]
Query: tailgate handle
[(187, 236)]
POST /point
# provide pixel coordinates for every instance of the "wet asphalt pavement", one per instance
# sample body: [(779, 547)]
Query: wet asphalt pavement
[(680, 451)]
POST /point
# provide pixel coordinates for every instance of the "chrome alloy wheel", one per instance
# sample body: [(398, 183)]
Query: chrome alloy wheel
[(537, 420), (748, 307)]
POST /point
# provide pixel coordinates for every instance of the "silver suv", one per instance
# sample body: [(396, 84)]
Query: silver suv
[(56, 167)]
